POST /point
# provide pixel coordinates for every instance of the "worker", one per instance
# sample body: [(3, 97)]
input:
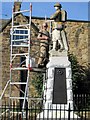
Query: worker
[(44, 38)]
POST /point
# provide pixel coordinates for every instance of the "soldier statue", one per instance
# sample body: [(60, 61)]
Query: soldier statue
[(44, 38), (58, 33)]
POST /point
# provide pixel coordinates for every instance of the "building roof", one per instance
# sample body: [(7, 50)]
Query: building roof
[(10, 20), (33, 25)]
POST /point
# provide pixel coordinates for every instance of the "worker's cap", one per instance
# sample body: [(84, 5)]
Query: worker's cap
[(58, 5), (45, 24)]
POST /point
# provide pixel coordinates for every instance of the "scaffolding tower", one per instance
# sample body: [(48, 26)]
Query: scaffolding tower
[(20, 40), (19, 43), (22, 43)]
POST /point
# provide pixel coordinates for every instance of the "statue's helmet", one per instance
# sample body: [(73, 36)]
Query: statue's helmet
[(58, 5)]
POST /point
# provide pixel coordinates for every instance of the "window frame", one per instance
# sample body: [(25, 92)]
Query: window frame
[(21, 36)]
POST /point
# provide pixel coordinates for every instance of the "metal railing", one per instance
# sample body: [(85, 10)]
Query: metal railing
[(32, 111)]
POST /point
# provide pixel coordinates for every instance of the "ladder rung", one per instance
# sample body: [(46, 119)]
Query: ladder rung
[(20, 54), (33, 69), (50, 21), (31, 98), (19, 98), (38, 70), (18, 83), (21, 11), (19, 68), (20, 25), (21, 45), (20, 34), (18, 40)]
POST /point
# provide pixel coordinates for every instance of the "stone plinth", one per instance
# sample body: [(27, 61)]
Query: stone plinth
[(53, 110)]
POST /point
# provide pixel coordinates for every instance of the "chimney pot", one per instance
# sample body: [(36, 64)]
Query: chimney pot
[(17, 6)]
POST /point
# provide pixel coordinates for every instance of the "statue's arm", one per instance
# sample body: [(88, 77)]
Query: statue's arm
[(54, 15), (42, 37)]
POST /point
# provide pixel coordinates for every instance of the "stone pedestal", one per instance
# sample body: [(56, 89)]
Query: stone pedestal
[(58, 60)]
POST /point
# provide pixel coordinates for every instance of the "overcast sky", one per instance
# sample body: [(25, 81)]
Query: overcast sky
[(75, 10)]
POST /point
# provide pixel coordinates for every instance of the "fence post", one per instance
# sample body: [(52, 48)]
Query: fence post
[(5, 110), (26, 110), (69, 112)]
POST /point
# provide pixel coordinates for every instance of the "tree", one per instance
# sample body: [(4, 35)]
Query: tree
[(37, 82), (79, 73)]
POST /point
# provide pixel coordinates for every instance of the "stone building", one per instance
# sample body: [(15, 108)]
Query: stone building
[(77, 36)]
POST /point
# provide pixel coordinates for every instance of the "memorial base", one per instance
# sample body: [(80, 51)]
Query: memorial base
[(58, 96)]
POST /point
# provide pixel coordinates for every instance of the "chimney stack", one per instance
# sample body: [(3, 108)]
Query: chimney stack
[(17, 6)]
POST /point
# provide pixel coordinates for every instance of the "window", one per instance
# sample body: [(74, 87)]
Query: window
[(20, 36)]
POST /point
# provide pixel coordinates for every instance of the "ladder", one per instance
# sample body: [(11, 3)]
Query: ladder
[(20, 39)]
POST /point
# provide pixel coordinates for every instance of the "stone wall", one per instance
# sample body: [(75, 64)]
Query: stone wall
[(89, 44), (77, 36), (0, 66), (78, 41)]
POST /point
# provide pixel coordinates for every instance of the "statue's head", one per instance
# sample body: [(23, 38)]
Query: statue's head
[(57, 6)]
